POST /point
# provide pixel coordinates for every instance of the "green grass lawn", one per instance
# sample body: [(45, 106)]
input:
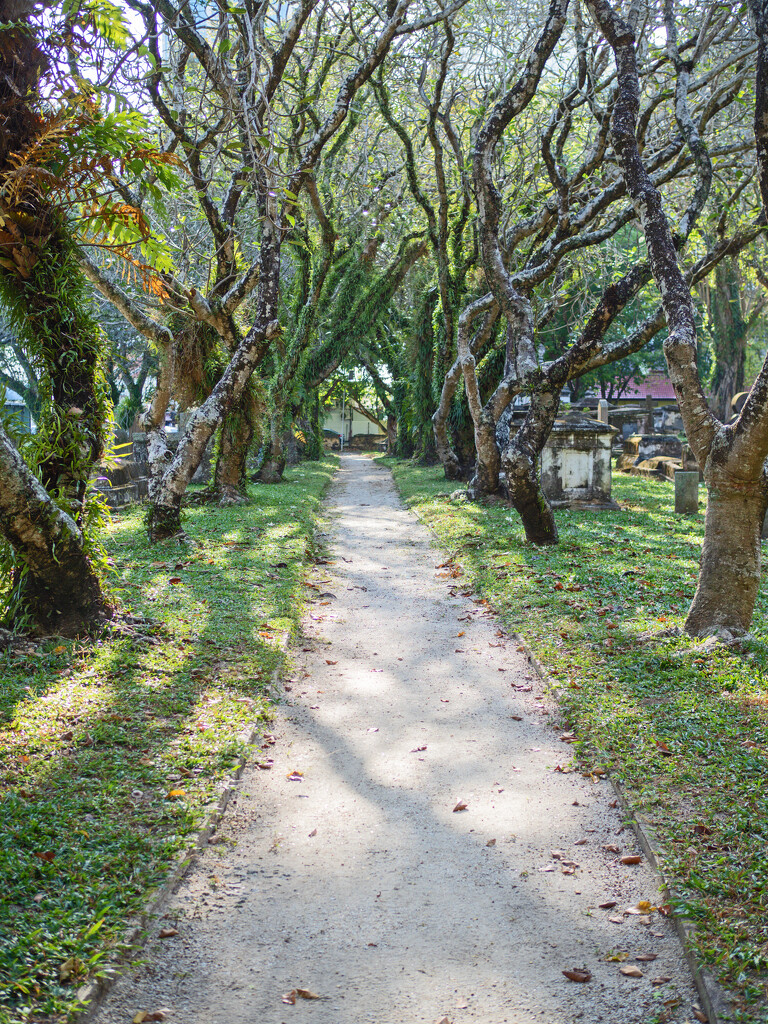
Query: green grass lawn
[(112, 751), (684, 732)]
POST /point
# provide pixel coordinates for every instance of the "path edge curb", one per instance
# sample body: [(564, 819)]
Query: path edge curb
[(714, 1001), (136, 937)]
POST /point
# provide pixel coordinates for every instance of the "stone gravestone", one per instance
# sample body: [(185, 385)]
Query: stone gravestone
[(650, 427), (576, 463), (602, 410), (644, 447), (686, 491)]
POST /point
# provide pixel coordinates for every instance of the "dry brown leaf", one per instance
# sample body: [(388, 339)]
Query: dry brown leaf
[(168, 933), (289, 998), (313, 833), (417, 750), (631, 858), (295, 776), (460, 806), (265, 766), (556, 854), (699, 1014), (491, 842), (608, 905), (580, 842), (661, 980), (174, 794), (630, 971), (612, 848), (305, 993), (443, 1020), (578, 974), (616, 920), (328, 662), (646, 958), (644, 919)]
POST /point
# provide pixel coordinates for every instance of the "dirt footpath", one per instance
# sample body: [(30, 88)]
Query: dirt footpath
[(412, 855)]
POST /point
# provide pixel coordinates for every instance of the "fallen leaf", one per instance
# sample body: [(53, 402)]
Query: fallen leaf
[(608, 905), (491, 842), (373, 728), (460, 806), (267, 740), (617, 958), (578, 974), (612, 848), (59, 650), (48, 856), (289, 998), (295, 776), (661, 980), (644, 906), (646, 958), (66, 735), (663, 748), (616, 920), (265, 766), (174, 580), (313, 833), (168, 933), (305, 993), (173, 794), (443, 1020), (702, 830), (417, 750), (630, 971), (327, 662), (580, 842), (556, 854), (461, 634), (631, 858), (665, 909), (644, 920), (69, 968)]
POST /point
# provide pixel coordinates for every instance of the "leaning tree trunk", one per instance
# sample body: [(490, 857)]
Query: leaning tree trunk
[(238, 430), (729, 573), (273, 466), (520, 460), (58, 588), (733, 457)]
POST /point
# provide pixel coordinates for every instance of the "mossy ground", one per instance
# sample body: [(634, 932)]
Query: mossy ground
[(112, 750), (685, 732)]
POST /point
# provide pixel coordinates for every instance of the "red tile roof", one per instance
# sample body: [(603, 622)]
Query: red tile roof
[(657, 385)]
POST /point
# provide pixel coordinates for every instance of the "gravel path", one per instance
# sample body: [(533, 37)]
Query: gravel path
[(358, 880)]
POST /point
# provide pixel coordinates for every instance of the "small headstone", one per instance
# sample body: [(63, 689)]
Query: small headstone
[(602, 410), (686, 492), (649, 422)]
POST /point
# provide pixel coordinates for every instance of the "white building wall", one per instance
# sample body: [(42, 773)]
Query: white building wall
[(354, 422)]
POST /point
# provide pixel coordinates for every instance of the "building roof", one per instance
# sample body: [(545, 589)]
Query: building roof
[(655, 385)]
